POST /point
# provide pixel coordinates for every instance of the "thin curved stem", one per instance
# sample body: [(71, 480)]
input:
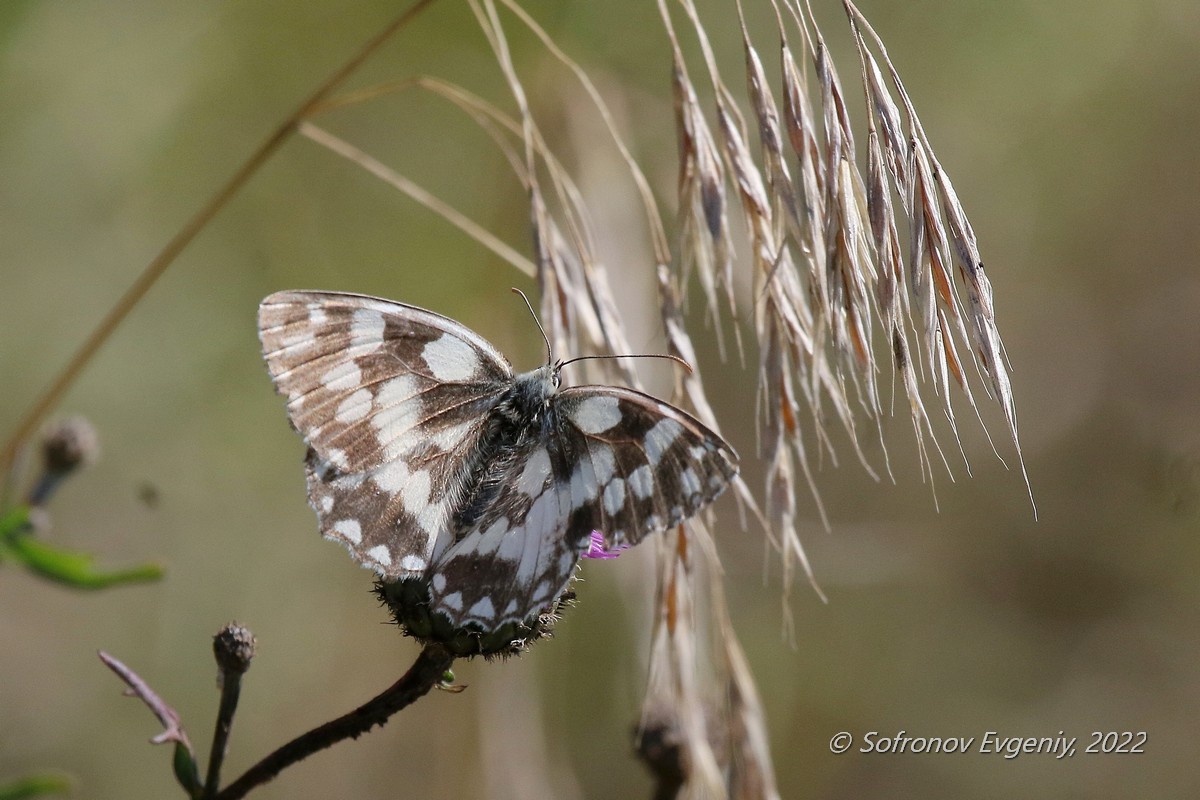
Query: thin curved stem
[(158, 265), (231, 689), (426, 672)]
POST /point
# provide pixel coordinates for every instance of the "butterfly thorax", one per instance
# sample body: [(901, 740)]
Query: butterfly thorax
[(520, 419), (528, 401)]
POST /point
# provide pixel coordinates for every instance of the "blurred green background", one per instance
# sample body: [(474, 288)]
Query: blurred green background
[(1070, 130)]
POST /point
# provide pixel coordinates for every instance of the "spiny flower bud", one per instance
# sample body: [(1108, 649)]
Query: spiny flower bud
[(233, 647), (408, 600), (67, 445), (70, 443)]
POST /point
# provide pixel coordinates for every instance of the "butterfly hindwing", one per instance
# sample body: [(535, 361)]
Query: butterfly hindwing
[(392, 517), (519, 556)]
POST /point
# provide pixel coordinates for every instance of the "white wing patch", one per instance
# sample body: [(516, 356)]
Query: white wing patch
[(413, 563), (614, 496), (366, 330), (641, 482), (450, 359), (380, 554), (603, 463), (533, 477), (392, 476), (451, 437), (349, 528), (483, 609), (597, 414), (660, 438), (343, 377), (354, 407)]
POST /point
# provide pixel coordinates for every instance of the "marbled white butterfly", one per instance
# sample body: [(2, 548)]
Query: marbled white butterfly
[(431, 460)]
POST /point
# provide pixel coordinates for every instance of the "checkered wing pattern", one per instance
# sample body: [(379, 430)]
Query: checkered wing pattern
[(619, 462), (639, 465), (429, 459), (390, 399), (520, 554)]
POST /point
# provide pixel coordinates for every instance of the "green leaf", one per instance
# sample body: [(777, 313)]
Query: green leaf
[(13, 522), (35, 786), (72, 568), (186, 771)]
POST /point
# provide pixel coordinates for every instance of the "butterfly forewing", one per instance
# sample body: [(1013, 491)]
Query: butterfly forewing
[(642, 465), (390, 399), (367, 380)]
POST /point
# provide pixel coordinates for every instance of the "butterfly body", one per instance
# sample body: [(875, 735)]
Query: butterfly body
[(521, 418), (436, 465)]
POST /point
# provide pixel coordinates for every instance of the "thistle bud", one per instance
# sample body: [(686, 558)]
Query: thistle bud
[(67, 445), (408, 601), (233, 647)]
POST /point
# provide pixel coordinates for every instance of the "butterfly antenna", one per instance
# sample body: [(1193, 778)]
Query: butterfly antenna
[(676, 359), (537, 322)]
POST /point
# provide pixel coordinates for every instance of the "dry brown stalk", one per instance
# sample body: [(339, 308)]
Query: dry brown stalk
[(844, 262)]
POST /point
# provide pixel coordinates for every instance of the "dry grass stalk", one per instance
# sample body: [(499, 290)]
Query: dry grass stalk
[(419, 194), (574, 287), (751, 770), (833, 280), (675, 682), (941, 234), (679, 694), (828, 267), (703, 223)]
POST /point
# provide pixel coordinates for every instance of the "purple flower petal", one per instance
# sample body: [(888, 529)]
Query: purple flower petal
[(596, 548)]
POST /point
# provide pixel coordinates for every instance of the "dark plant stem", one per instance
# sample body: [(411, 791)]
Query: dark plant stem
[(426, 672), (658, 749), (667, 789), (231, 689), (154, 270)]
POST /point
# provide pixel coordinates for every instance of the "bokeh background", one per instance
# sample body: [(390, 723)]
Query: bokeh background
[(1069, 128)]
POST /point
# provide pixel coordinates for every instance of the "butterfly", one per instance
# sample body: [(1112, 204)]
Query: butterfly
[(429, 458)]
